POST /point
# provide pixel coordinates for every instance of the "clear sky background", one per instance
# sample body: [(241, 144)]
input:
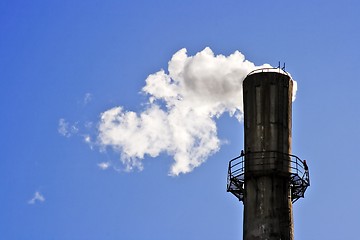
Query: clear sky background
[(63, 63)]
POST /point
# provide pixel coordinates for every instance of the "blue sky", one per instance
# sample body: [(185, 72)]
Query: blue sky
[(71, 61)]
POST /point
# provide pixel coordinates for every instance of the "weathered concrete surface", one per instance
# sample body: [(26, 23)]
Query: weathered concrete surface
[(267, 123)]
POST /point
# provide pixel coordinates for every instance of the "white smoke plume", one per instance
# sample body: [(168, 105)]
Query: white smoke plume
[(38, 197), (180, 115)]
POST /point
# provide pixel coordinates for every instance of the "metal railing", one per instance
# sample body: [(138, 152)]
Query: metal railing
[(270, 69), (273, 161)]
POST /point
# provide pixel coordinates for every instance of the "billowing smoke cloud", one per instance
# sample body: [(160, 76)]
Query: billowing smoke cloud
[(183, 104)]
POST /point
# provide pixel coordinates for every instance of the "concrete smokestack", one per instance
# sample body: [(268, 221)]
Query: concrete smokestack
[(267, 202), (266, 177)]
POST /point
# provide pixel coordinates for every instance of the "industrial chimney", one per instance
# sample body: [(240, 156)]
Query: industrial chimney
[(266, 177)]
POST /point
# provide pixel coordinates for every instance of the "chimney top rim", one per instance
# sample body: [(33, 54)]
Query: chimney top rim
[(269, 70)]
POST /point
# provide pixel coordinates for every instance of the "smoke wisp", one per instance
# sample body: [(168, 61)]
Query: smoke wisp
[(179, 118)]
